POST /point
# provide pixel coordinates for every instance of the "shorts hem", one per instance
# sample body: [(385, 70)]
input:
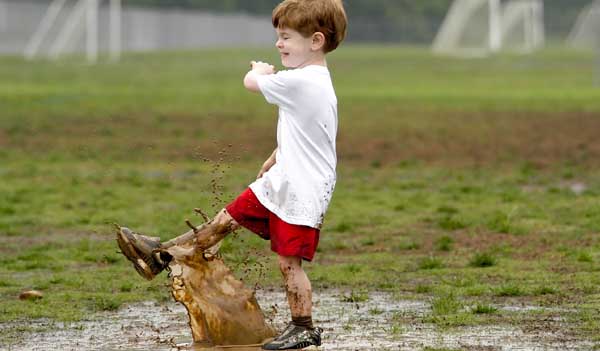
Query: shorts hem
[(302, 256)]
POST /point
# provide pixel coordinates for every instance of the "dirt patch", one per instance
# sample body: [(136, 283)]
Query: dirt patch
[(447, 137), (381, 322), (476, 138)]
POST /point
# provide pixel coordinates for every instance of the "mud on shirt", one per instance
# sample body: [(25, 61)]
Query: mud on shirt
[(298, 188)]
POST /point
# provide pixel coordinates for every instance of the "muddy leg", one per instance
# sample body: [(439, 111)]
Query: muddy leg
[(297, 286), (150, 257), (208, 234)]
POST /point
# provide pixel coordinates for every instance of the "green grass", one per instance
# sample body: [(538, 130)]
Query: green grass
[(430, 263), (355, 296), (445, 304), (510, 290), (482, 259), (484, 309), (447, 310), (444, 243), (440, 159)]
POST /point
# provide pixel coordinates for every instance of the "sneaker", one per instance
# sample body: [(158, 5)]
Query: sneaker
[(142, 251), (295, 337)]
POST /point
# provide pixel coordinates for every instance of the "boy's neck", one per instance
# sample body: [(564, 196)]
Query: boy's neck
[(317, 60)]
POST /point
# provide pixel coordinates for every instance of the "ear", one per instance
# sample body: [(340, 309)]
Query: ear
[(318, 41)]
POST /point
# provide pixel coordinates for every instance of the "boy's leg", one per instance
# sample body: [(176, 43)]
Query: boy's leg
[(300, 333), (208, 234), (143, 251), (298, 290)]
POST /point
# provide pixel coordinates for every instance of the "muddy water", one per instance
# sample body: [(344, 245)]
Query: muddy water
[(348, 326)]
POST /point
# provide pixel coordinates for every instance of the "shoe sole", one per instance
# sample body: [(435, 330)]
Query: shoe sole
[(124, 240), (305, 348)]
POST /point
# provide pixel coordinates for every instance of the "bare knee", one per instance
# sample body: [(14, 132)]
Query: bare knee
[(224, 222), (289, 264)]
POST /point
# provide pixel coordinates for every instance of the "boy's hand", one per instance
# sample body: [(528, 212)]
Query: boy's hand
[(258, 69), (262, 171), (262, 67), (268, 164)]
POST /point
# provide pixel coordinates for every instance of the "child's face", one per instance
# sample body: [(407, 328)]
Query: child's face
[(296, 51)]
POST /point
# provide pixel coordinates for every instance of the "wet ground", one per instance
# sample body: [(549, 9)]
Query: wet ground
[(348, 326)]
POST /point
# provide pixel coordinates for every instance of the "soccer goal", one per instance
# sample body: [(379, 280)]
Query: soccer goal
[(476, 28), (585, 35), (66, 23), (523, 25)]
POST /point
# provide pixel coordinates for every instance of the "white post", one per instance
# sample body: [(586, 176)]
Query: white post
[(456, 22), (32, 47), (539, 30), (68, 30), (529, 29), (92, 31), (495, 25), (115, 30)]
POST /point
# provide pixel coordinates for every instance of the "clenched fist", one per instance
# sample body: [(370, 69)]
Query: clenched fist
[(262, 67)]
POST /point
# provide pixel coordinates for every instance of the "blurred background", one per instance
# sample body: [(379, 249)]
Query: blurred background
[(172, 24)]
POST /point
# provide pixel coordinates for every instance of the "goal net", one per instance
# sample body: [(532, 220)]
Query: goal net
[(66, 22), (523, 25), (480, 27), (586, 32)]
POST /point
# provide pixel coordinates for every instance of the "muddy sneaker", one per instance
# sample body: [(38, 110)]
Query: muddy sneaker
[(142, 251), (295, 337)]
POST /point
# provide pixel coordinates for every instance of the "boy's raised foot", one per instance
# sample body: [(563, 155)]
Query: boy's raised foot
[(141, 250), (295, 337)]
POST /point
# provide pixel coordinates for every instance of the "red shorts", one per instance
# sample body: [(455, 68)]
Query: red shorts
[(286, 239)]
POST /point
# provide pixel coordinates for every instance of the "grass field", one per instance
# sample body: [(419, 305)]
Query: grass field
[(467, 183)]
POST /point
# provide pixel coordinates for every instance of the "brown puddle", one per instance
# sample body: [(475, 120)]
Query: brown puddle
[(221, 309), (348, 326)]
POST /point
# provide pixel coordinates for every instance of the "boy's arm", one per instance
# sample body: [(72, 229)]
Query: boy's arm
[(258, 68), (268, 164)]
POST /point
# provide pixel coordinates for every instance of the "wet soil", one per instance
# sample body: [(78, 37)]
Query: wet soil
[(449, 138), (383, 322)]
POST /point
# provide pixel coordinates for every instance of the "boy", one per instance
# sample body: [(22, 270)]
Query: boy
[(290, 196)]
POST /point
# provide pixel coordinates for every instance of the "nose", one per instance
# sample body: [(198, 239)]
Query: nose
[(279, 44)]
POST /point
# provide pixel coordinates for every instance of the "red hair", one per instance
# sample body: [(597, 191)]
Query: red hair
[(312, 16)]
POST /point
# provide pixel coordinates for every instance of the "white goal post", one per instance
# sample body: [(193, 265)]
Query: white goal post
[(585, 34), (475, 28), (523, 25), (81, 19), (457, 22)]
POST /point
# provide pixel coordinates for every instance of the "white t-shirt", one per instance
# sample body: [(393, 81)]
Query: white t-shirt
[(299, 186)]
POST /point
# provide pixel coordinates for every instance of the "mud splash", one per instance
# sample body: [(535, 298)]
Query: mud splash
[(365, 325), (222, 310)]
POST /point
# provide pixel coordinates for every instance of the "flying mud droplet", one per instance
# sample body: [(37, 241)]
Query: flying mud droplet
[(251, 266)]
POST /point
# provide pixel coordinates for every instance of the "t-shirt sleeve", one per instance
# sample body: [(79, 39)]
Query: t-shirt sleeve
[(277, 88)]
